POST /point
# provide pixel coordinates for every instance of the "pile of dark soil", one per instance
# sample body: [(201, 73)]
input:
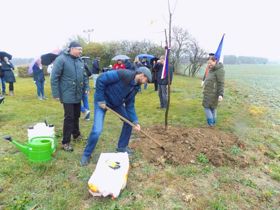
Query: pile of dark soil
[(182, 146)]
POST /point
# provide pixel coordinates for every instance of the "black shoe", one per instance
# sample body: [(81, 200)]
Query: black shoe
[(67, 147)]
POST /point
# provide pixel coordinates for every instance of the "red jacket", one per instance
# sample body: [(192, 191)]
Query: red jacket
[(119, 66)]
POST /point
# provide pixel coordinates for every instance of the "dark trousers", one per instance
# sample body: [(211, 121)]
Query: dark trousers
[(71, 122), (162, 93), (11, 86), (156, 85)]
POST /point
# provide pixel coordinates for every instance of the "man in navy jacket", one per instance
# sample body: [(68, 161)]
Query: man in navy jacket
[(117, 90)]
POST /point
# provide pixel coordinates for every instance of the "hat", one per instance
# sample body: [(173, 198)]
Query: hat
[(146, 72), (74, 44), (212, 55)]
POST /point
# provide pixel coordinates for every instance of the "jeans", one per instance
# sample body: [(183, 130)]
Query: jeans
[(3, 85), (71, 122), (40, 88), (162, 93), (211, 116), (94, 77), (85, 103), (97, 128), (11, 86), (145, 86)]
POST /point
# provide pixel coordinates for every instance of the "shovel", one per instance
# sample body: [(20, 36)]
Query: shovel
[(130, 123)]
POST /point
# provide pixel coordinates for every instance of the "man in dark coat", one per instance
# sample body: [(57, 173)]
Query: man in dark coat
[(213, 91), (162, 83), (39, 79), (68, 82), (117, 90), (95, 70)]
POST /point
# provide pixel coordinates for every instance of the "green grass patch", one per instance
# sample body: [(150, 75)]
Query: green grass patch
[(62, 183), (202, 158), (275, 171)]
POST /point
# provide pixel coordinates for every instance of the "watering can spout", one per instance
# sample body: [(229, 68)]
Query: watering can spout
[(21, 147)]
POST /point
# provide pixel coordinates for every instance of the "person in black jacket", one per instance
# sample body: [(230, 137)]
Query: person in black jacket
[(39, 79), (95, 70), (8, 76), (162, 82)]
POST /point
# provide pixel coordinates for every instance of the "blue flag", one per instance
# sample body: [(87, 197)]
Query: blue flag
[(219, 50)]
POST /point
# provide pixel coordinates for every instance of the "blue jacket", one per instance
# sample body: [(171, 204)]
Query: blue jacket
[(118, 88), (68, 79), (38, 74)]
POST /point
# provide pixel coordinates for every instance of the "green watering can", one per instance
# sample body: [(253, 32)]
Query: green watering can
[(36, 151)]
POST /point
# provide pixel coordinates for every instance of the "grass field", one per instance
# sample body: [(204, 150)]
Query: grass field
[(250, 111)]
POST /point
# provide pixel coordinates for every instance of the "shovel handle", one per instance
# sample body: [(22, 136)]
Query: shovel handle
[(133, 125), (123, 118)]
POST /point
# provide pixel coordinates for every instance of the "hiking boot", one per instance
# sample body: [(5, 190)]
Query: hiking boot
[(85, 160), (78, 138), (67, 147), (125, 149)]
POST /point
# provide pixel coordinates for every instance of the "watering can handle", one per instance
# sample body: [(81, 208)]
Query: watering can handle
[(8, 138)]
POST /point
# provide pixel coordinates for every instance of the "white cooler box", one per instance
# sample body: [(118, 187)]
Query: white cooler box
[(110, 175)]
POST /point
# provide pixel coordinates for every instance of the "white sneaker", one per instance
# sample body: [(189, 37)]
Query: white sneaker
[(87, 113)]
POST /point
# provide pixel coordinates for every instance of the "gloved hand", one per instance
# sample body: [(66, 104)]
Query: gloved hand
[(220, 98)]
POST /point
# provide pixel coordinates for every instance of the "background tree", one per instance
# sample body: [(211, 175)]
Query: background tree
[(196, 57), (181, 44)]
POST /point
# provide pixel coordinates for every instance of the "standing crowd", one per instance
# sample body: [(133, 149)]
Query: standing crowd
[(115, 89)]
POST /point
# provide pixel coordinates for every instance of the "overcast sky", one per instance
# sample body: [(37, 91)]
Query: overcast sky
[(32, 27)]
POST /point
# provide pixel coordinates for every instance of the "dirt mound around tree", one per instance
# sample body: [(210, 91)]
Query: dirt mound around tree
[(183, 146)]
